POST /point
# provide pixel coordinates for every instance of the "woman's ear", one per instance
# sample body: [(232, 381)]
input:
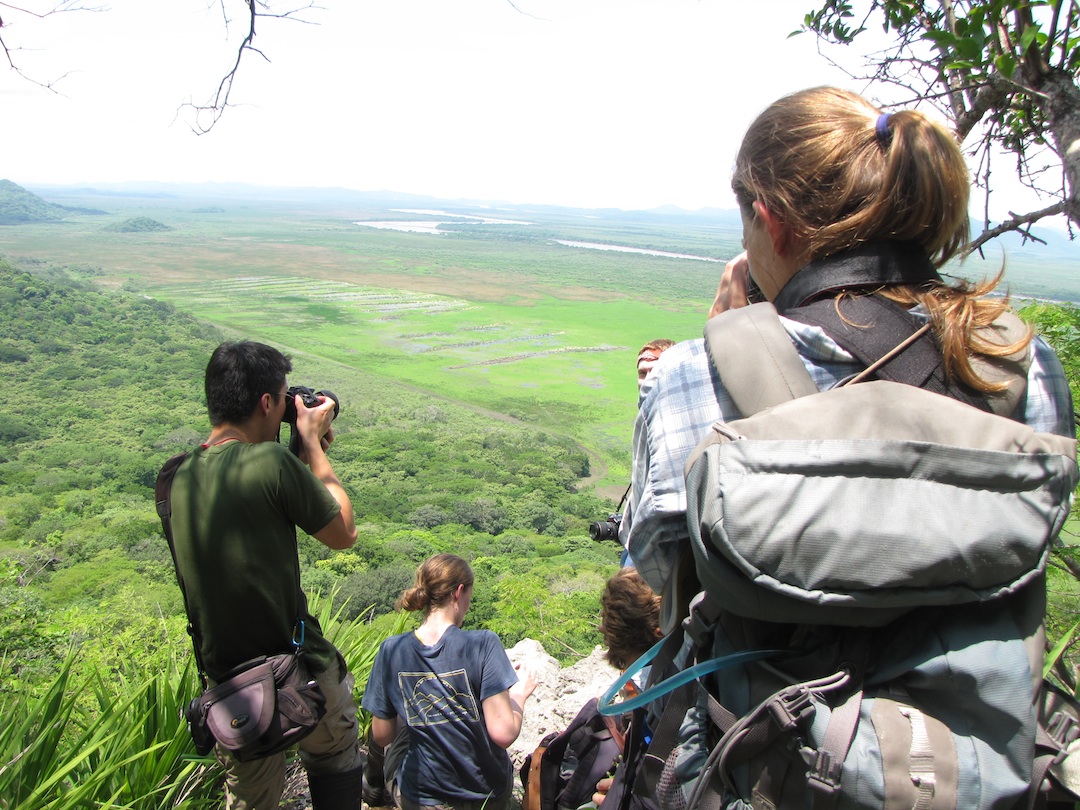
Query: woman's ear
[(779, 233)]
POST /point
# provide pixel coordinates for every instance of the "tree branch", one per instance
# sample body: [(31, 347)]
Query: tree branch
[(13, 12), (1016, 222), (215, 108)]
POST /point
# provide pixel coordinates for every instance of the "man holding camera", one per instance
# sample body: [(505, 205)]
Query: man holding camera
[(236, 503)]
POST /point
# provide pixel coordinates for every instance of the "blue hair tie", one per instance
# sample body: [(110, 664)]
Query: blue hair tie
[(882, 129)]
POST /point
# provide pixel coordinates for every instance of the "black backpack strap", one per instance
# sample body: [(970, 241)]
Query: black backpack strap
[(624, 793), (1054, 783), (870, 327), (163, 501), (163, 492), (864, 268), (849, 278)]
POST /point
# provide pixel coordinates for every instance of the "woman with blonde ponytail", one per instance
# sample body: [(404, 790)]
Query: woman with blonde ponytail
[(847, 177), (846, 210), (848, 214), (452, 695)]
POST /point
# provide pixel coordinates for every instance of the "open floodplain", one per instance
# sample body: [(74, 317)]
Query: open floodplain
[(514, 310)]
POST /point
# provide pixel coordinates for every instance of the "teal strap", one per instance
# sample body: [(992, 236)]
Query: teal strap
[(608, 707)]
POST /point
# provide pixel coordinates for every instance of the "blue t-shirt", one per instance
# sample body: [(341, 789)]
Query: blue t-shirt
[(439, 691)]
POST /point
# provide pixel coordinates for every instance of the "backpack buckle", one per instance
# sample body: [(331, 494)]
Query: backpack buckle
[(791, 707), (1063, 729), (822, 774)]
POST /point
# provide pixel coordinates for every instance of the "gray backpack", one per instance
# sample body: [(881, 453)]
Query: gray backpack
[(891, 544)]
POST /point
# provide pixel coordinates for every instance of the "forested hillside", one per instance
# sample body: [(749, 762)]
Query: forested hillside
[(19, 206), (102, 387)]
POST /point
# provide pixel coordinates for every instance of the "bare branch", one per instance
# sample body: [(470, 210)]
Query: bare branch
[(515, 7), (987, 67), (220, 101), (217, 105), (1016, 222), (13, 12)]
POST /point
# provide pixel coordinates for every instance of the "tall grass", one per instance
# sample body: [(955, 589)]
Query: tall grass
[(97, 738), (102, 739), (357, 639)]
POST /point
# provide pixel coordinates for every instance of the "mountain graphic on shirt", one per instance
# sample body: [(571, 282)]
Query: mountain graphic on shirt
[(434, 698)]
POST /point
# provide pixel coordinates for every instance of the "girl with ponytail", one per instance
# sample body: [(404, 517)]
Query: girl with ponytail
[(449, 697)]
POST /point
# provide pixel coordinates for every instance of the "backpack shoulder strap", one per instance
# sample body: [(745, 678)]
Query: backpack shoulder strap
[(870, 326), (1012, 369), (766, 369), (163, 491), (163, 500)]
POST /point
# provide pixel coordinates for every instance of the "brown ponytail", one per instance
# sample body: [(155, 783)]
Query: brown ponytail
[(839, 173), (436, 580)]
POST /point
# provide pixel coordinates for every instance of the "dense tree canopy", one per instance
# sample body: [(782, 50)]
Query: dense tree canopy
[(104, 386)]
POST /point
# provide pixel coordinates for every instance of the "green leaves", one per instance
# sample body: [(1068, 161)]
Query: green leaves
[(831, 22), (102, 740)]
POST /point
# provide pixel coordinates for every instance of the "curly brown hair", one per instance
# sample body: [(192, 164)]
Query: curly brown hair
[(629, 618)]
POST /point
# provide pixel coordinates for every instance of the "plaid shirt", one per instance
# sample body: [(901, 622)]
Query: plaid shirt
[(682, 397)]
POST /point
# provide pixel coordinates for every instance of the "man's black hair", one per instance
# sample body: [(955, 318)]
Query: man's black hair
[(237, 375)]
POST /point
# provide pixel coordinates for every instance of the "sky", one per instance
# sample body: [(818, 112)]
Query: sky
[(628, 104)]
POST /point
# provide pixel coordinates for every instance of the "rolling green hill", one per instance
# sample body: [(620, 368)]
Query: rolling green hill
[(19, 207)]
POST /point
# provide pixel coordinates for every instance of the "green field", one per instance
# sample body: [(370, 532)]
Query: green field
[(498, 316)]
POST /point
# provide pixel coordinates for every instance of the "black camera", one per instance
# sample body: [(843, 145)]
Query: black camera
[(606, 530), (310, 398)]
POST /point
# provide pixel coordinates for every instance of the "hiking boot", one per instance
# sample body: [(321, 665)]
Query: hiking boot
[(376, 797), (335, 791)]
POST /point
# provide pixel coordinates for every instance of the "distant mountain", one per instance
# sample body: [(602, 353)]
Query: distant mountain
[(21, 207), (1055, 243), (1058, 244), (237, 191)]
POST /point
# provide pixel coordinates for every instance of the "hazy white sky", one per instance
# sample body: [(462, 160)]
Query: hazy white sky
[(597, 103)]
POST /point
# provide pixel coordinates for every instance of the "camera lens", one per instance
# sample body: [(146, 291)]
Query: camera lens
[(606, 530)]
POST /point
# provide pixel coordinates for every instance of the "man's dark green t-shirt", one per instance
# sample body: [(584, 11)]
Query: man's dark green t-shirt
[(235, 509)]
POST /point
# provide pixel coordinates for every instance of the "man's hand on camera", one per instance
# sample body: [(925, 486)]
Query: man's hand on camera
[(314, 425)]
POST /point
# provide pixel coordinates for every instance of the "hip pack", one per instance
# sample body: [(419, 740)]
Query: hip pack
[(263, 706), (891, 542)]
